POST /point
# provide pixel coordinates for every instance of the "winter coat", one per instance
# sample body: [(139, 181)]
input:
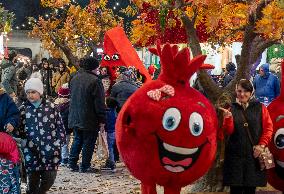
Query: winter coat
[(9, 112), (42, 133), (59, 79), (62, 104), (9, 78), (228, 78), (122, 90), (267, 85), (9, 168), (46, 76), (240, 167), (9, 177), (87, 102), (23, 73), (111, 116)]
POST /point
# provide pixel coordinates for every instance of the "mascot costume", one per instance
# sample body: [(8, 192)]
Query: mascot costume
[(276, 111), (166, 131), (118, 51)]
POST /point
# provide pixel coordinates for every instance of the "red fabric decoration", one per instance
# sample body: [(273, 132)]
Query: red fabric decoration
[(175, 34), (118, 51), (276, 111), (166, 131)]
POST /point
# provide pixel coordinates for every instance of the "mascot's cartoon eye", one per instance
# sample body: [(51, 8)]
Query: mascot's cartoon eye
[(115, 57), (171, 119), (195, 124), (279, 138), (107, 58)]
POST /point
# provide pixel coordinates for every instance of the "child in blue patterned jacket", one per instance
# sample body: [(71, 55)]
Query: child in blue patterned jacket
[(42, 132)]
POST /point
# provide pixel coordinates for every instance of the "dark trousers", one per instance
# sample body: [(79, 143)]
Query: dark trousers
[(242, 190), (83, 141), (39, 182), (116, 153)]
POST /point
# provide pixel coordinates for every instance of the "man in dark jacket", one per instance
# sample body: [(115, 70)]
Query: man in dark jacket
[(230, 73), (124, 87), (86, 113)]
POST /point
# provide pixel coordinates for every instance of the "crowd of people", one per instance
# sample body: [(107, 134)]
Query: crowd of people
[(41, 106)]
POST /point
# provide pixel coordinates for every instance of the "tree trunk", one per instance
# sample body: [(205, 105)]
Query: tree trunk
[(66, 50), (210, 87), (212, 181)]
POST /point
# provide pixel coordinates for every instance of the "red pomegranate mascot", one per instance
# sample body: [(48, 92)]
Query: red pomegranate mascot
[(276, 111), (166, 131), (118, 51)]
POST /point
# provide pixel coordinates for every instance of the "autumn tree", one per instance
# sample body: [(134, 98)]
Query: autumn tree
[(71, 29), (258, 24), (6, 20)]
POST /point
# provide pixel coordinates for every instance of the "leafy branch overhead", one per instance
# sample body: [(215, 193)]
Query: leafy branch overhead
[(72, 29), (6, 20), (216, 21)]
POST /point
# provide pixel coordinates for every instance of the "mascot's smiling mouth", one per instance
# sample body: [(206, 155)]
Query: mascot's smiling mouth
[(279, 168), (177, 159)]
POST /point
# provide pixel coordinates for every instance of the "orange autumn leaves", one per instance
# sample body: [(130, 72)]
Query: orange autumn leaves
[(54, 3), (223, 20), (73, 27), (272, 23)]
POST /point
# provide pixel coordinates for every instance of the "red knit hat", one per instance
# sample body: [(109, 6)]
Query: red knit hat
[(64, 91)]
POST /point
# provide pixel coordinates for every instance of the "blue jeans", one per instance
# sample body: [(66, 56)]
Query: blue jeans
[(65, 149), (83, 141), (110, 144)]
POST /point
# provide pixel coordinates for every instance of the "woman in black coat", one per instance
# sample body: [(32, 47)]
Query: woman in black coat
[(241, 170)]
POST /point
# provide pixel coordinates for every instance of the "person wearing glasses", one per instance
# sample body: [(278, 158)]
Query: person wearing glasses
[(266, 85), (242, 171)]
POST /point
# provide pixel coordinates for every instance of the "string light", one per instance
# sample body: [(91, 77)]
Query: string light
[(117, 3), (114, 7)]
